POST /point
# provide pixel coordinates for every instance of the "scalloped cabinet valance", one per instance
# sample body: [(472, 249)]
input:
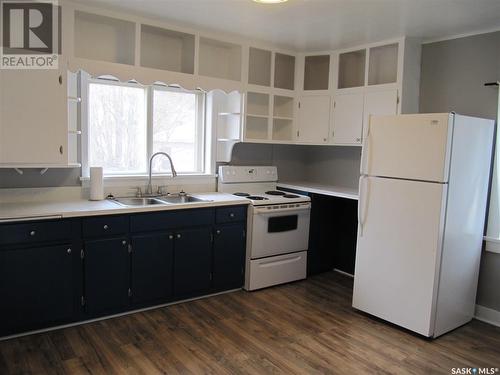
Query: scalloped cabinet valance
[(130, 48)]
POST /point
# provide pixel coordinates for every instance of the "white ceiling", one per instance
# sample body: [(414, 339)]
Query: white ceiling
[(309, 25)]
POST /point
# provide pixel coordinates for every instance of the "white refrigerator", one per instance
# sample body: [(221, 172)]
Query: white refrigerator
[(422, 202)]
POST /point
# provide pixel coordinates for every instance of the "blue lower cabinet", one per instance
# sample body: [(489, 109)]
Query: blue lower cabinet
[(70, 270), (152, 268), (107, 276), (192, 262), (229, 256), (38, 287)]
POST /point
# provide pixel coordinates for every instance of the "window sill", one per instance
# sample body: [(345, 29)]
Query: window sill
[(492, 244), (141, 180)]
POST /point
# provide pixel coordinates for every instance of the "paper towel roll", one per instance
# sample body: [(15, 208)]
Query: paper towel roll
[(96, 184)]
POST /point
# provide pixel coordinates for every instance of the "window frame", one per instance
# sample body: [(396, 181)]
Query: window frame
[(203, 135)]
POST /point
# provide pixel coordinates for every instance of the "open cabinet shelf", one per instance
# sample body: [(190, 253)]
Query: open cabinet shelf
[(316, 72), (257, 104), (167, 50), (256, 127), (220, 59), (282, 129), (284, 71), (283, 106), (352, 69), (104, 38), (383, 64), (259, 67)]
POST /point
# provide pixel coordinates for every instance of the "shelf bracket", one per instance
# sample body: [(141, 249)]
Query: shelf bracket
[(20, 171), (43, 170)]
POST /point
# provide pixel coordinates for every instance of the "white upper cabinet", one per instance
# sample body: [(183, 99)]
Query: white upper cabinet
[(33, 118), (314, 119), (348, 118), (379, 102), (380, 78)]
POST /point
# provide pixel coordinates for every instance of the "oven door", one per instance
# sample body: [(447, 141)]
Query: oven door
[(280, 230)]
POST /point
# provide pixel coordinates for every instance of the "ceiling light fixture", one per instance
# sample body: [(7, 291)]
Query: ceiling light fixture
[(270, 1)]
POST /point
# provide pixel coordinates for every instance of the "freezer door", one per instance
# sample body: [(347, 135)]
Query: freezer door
[(398, 251), (415, 147)]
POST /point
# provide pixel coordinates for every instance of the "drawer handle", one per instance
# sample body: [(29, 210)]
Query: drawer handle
[(231, 215), (217, 231), (32, 233), (124, 242), (171, 237), (179, 236), (105, 227), (68, 251)]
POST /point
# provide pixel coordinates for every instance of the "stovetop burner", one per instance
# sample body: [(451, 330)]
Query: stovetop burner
[(242, 194), (257, 198), (290, 196), (274, 192)]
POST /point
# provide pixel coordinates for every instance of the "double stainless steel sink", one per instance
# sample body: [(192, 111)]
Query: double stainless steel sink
[(161, 200)]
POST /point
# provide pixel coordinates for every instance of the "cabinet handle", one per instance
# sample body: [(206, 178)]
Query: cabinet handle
[(324, 139), (60, 80), (68, 251), (217, 231), (61, 150), (105, 227), (231, 215), (358, 140), (124, 242), (32, 233), (178, 236), (171, 237)]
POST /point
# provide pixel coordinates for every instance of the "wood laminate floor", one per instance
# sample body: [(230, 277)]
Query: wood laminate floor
[(306, 327)]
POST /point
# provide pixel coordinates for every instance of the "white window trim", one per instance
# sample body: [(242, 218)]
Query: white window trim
[(204, 146)]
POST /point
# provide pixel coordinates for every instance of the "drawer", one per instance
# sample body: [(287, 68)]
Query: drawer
[(231, 214), (104, 226), (171, 219), (277, 270), (35, 232)]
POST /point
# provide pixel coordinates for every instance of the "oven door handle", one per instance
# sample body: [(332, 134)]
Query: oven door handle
[(265, 211)]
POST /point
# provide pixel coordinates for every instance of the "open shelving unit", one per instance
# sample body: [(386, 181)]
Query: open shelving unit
[(219, 59), (283, 107), (257, 116), (104, 38), (225, 114), (167, 49)]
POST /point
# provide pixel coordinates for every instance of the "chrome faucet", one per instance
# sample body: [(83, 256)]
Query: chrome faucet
[(149, 188)]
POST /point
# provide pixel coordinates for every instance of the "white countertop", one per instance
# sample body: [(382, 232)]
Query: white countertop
[(76, 208), (314, 187)]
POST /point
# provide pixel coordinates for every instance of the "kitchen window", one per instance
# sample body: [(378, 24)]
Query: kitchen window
[(126, 123)]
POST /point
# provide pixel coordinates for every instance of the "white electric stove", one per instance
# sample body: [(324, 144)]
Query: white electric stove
[(278, 225)]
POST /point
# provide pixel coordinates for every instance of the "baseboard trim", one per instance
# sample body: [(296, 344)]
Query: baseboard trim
[(488, 315)]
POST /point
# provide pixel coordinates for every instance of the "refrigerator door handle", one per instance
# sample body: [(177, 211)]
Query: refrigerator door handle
[(364, 191), (365, 152)]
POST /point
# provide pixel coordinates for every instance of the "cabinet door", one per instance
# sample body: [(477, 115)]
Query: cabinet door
[(348, 118), (107, 275), (33, 117), (383, 102), (152, 260), (192, 262), (229, 255), (314, 119), (36, 287)]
